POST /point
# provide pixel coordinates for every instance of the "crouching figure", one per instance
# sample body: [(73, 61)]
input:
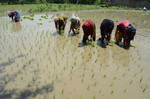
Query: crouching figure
[(15, 15), (106, 28), (126, 31), (89, 29), (60, 22), (75, 25)]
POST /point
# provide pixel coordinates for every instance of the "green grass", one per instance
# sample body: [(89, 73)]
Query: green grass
[(36, 8)]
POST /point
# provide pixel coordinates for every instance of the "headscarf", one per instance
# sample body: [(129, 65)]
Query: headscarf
[(75, 20)]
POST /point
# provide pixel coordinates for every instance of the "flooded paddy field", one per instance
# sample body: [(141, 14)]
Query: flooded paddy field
[(38, 63)]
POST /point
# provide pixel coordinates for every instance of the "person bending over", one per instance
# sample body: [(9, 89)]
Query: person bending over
[(89, 29), (75, 25), (126, 31), (106, 28), (60, 22), (15, 15)]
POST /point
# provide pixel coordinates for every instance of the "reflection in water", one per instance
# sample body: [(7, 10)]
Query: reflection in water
[(16, 27)]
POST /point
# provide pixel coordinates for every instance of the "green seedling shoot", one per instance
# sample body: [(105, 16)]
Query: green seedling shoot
[(144, 89), (141, 80), (54, 97)]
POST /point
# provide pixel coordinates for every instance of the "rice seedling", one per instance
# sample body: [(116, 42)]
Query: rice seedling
[(56, 77), (21, 78), (111, 84), (117, 68), (0, 59), (11, 68), (96, 61), (139, 58), (129, 69), (54, 96), (6, 81), (112, 92), (38, 65), (115, 78), (131, 82), (28, 17), (33, 79), (100, 68), (33, 93), (104, 76), (123, 74), (141, 70), (125, 90), (83, 74), (62, 92), (44, 97), (68, 98), (70, 77), (72, 67), (74, 64), (44, 17), (71, 71), (93, 75), (82, 80), (95, 83), (45, 81), (40, 23), (114, 16), (135, 75), (145, 89), (92, 70), (52, 82), (141, 79), (134, 23), (94, 97), (88, 87), (99, 91)]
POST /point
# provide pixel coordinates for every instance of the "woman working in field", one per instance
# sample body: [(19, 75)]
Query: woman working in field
[(15, 15), (75, 24), (89, 29), (60, 22), (126, 31)]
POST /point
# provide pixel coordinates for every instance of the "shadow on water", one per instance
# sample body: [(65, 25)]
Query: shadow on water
[(42, 90), (8, 94), (11, 61), (104, 45), (26, 93), (120, 44), (55, 33), (72, 34), (28, 63), (10, 78), (81, 44)]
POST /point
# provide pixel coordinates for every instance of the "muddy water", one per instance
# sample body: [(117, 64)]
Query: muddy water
[(36, 62)]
